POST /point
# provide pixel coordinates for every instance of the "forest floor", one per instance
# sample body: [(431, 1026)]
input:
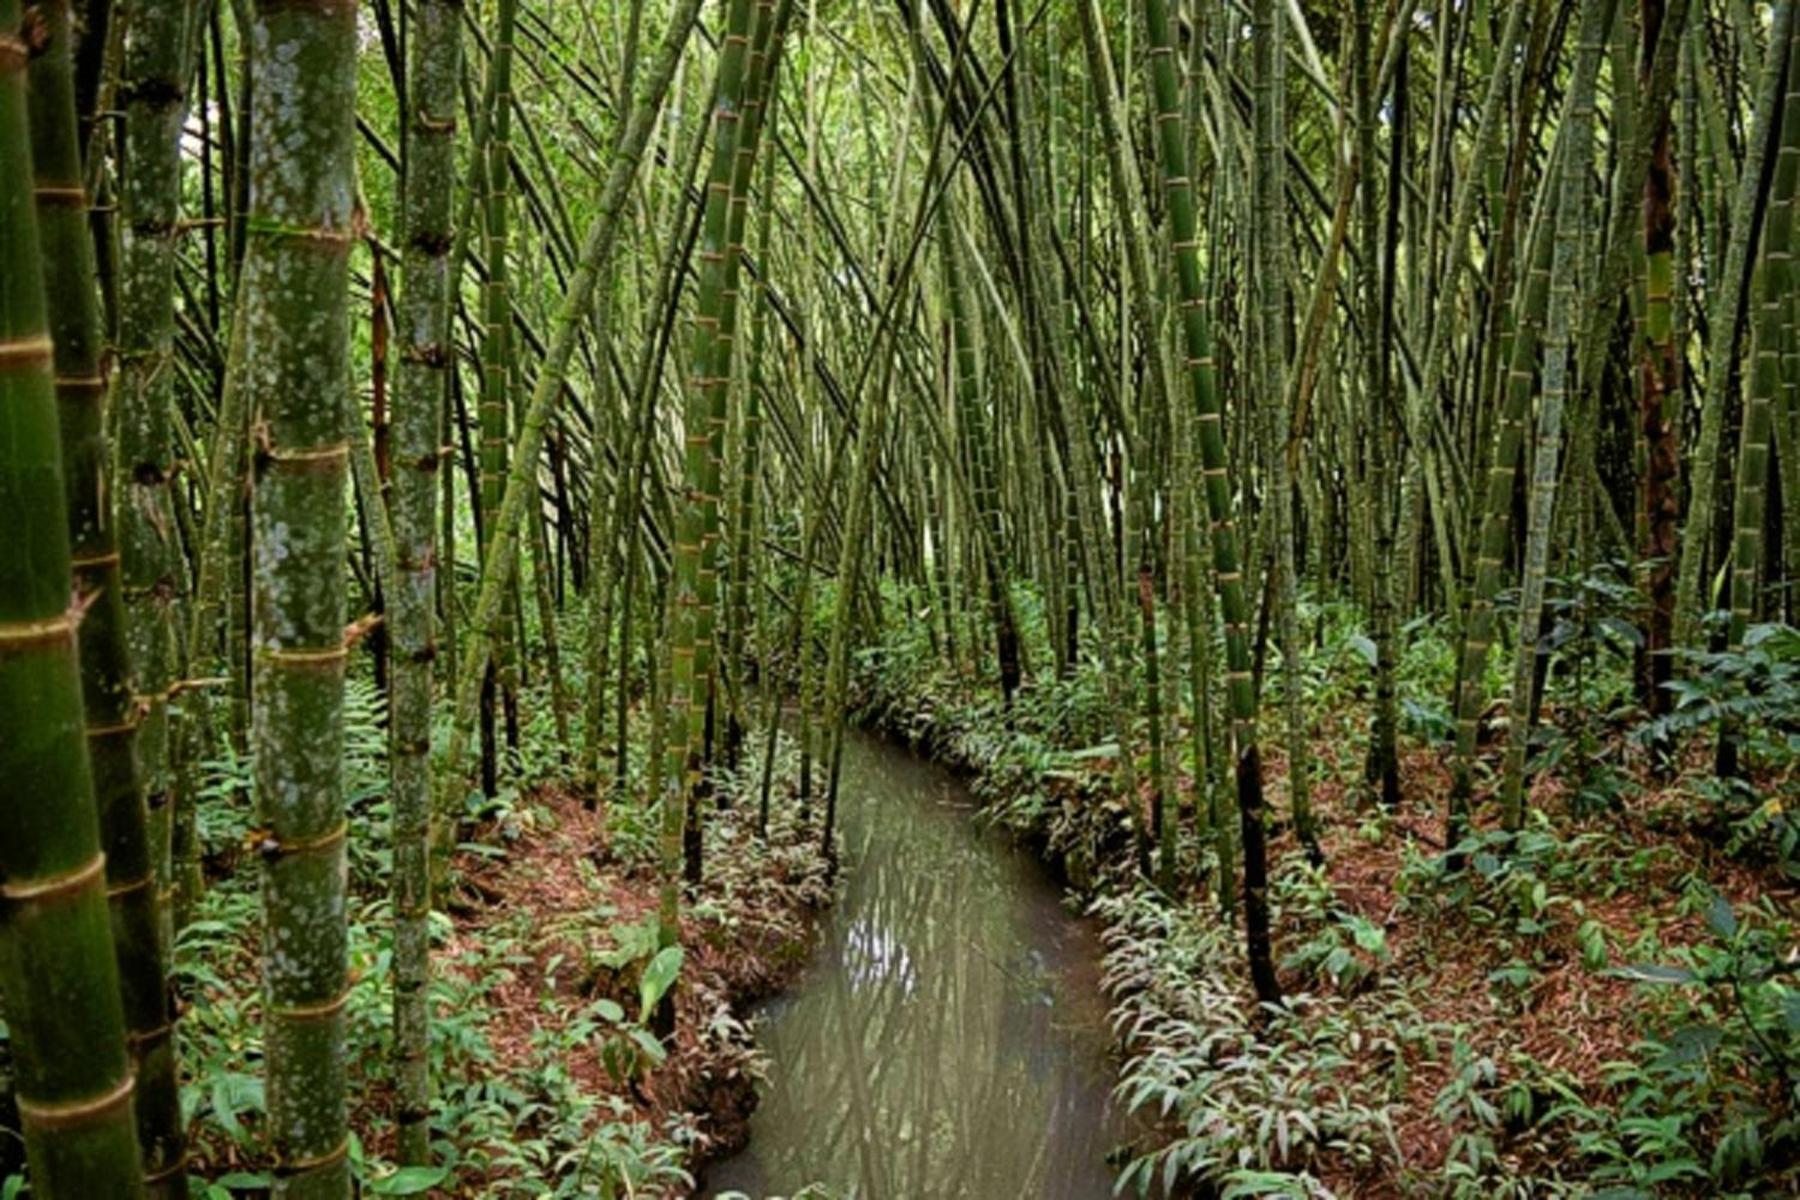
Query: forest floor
[(581, 913), (1530, 968), (548, 1081), (1580, 1007)]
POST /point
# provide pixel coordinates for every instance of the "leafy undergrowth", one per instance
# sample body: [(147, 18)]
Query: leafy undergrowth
[(1591, 1006), (549, 1082), (1604, 1003)]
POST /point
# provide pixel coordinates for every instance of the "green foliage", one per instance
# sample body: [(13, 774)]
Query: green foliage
[(1714, 1095), (1587, 643), (1757, 687), (1518, 881), (1340, 671), (1345, 949), (632, 831), (1257, 1100), (1707, 1104), (527, 1126), (1502, 1112), (1756, 690), (1039, 770), (658, 978)]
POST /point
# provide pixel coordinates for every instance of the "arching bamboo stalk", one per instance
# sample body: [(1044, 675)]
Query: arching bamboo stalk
[(1228, 575)]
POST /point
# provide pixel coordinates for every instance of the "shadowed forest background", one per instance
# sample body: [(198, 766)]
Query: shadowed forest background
[(1326, 476)]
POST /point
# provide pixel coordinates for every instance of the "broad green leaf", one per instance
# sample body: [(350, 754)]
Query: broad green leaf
[(659, 977), (409, 1181), (650, 1045), (1690, 1044), (1720, 918)]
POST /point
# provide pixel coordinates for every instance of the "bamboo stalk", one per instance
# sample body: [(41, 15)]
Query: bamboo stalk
[(72, 1079), (293, 304), (108, 701), (1199, 365), (433, 85)]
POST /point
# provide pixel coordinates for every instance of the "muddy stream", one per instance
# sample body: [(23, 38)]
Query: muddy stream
[(948, 1038)]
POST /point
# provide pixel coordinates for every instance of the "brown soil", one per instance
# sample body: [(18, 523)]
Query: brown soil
[(1572, 1020), (729, 964)]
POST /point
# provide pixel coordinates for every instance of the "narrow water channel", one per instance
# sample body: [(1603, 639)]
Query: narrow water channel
[(949, 1038)]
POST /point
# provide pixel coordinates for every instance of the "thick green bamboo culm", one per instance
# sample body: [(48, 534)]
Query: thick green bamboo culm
[(1490, 547), (1228, 574), (1487, 126), (1268, 268), (1724, 324), (693, 589), (72, 1078), (1766, 383), (1126, 190), (1376, 310), (746, 517), (613, 519), (293, 303), (769, 26), (152, 93), (605, 560), (1561, 319), (502, 682), (109, 705), (1660, 365), (986, 491), (615, 527), (433, 95)]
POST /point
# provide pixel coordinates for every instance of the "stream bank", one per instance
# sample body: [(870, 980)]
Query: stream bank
[(1507, 1028), (949, 1038), (570, 897)]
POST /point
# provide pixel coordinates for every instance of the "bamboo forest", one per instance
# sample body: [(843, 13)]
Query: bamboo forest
[(915, 600)]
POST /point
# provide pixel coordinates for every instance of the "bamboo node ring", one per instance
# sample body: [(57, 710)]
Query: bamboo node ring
[(298, 1166), (77, 1112), (25, 351), (55, 886), (24, 634), (315, 454), (306, 658), (265, 843), (314, 1012)]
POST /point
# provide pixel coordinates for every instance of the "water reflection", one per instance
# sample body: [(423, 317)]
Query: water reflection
[(949, 1039)]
